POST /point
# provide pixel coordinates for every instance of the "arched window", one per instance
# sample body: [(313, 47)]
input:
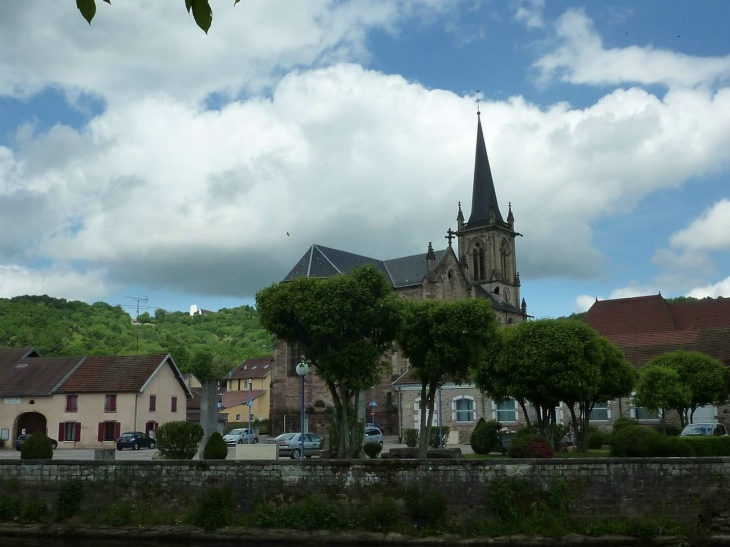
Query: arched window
[(478, 261), (463, 409)]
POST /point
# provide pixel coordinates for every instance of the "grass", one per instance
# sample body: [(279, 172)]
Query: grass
[(598, 453)]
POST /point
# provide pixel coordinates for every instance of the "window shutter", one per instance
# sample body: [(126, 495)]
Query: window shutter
[(100, 436), (117, 429), (609, 413), (68, 403), (113, 403), (61, 432), (77, 432), (153, 403), (174, 404)]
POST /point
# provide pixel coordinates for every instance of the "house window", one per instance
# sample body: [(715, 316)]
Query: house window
[(109, 431), (642, 413), (600, 412), (110, 403), (238, 417), (71, 431), (173, 404), (506, 411), (464, 409), (150, 428), (153, 403), (4, 434), (72, 403), (293, 358)]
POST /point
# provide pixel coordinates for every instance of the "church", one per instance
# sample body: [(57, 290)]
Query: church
[(482, 265)]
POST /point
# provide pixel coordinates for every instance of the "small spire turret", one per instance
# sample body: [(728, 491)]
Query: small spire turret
[(460, 219), (511, 218), (430, 258)]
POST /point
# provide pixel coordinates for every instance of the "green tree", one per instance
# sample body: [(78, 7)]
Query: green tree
[(544, 362), (343, 325), (200, 9), (702, 379), (444, 340), (660, 387)]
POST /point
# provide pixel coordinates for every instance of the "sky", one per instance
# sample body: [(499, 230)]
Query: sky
[(142, 158)]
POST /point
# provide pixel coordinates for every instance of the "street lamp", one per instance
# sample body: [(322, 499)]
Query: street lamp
[(302, 371)]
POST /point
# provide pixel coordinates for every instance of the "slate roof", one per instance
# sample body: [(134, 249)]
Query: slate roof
[(34, 376), (235, 398), (118, 374), (320, 261), (259, 367), (497, 303), (13, 354), (484, 195)]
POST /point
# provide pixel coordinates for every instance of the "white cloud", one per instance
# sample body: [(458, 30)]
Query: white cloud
[(583, 303), (581, 58), (529, 12), (721, 288), (60, 283), (710, 232)]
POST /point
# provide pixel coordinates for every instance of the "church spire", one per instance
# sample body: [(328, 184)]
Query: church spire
[(484, 197)]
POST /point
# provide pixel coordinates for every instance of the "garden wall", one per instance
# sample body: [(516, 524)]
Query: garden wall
[(680, 489)]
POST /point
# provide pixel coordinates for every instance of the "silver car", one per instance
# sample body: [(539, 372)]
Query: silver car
[(373, 435), (702, 430), (241, 436), (290, 444)]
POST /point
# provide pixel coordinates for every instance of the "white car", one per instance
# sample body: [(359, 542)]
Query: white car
[(241, 436), (704, 430), (373, 435), (290, 444)]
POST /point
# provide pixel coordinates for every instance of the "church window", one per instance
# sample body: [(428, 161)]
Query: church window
[(504, 252), (293, 358), (479, 265)]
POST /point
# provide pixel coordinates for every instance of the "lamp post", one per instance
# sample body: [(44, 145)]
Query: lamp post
[(302, 371), (441, 428)]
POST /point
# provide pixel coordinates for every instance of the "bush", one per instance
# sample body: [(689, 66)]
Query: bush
[(69, 498), (33, 511), (623, 422), (215, 448), (485, 436), (670, 430), (433, 438), (411, 438), (528, 445), (2, 444), (179, 440), (381, 515), (36, 447), (707, 446), (214, 509), (426, 507), (372, 449), (10, 508), (560, 430), (597, 438), (645, 442)]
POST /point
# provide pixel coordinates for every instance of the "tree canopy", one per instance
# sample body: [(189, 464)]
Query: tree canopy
[(342, 325), (444, 340), (200, 10)]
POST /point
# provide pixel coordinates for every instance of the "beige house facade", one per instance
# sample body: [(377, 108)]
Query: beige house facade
[(248, 386), (88, 402)]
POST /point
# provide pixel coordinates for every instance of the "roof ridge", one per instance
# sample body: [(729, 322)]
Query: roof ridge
[(68, 375)]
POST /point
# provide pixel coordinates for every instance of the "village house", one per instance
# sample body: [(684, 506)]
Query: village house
[(247, 386), (482, 264), (87, 402)]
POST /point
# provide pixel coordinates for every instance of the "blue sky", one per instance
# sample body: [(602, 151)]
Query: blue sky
[(140, 157)]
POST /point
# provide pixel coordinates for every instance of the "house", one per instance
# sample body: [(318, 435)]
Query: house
[(248, 386), (86, 402), (482, 264), (645, 327)]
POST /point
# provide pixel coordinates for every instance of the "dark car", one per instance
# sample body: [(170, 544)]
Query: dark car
[(135, 440), (22, 438)]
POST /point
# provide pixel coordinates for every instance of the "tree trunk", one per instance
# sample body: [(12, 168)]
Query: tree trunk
[(586, 419), (208, 411), (524, 412)]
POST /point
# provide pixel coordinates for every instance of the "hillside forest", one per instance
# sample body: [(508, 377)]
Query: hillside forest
[(55, 327)]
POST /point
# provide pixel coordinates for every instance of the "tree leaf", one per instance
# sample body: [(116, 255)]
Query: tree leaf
[(203, 14), (235, 2), (108, 2), (87, 9), (188, 4)]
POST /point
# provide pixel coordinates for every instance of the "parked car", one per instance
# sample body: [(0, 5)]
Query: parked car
[(703, 429), (290, 444), (373, 435), (24, 437), (135, 440), (241, 436)]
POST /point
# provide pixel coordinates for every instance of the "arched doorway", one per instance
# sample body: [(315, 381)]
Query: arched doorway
[(31, 422)]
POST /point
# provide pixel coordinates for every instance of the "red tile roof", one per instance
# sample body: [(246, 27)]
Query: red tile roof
[(642, 314), (703, 314), (11, 355), (259, 367), (235, 398), (34, 376)]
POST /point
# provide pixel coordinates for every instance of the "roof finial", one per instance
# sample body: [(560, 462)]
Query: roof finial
[(478, 100)]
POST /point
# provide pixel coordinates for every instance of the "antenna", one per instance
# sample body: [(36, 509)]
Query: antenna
[(138, 300), (478, 100)]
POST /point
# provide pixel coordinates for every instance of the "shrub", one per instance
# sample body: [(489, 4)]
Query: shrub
[(381, 515), (645, 442), (707, 446), (560, 430), (528, 445), (433, 439), (2, 444), (411, 438), (670, 430), (527, 430), (69, 498), (597, 438), (33, 511), (623, 422), (426, 507), (9, 508), (36, 447), (485, 436), (213, 509), (215, 448), (179, 440), (372, 449)]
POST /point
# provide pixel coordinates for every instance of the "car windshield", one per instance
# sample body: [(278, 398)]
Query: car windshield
[(127, 435), (698, 429), (285, 436), (237, 432)]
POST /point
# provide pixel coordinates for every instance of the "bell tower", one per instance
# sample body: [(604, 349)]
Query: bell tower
[(486, 241)]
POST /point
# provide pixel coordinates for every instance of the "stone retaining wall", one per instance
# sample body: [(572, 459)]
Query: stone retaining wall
[(680, 489)]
